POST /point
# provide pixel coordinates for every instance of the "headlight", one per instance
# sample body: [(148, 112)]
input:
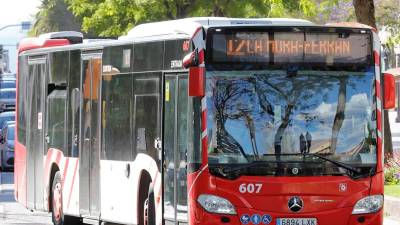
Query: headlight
[(215, 204), (369, 204)]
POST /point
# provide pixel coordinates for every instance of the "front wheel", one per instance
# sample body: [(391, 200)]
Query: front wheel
[(149, 209), (57, 213)]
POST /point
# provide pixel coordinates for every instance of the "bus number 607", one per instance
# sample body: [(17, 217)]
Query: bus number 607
[(250, 188)]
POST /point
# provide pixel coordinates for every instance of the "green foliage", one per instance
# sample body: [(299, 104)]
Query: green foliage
[(392, 190), (392, 172), (54, 16), (387, 15), (116, 17), (111, 18)]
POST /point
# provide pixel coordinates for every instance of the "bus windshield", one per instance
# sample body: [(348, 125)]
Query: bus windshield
[(253, 115), (284, 114)]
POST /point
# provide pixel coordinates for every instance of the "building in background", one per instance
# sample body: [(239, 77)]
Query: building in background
[(10, 35)]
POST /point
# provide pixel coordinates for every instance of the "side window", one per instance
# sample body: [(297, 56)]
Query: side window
[(116, 117), (59, 67), (22, 75), (146, 111), (182, 118), (56, 103), (194, 132), (74, 103), (117, 58), (148, 56)]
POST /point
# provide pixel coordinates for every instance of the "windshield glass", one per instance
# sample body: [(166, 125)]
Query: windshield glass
[(10, 133), (7, 94), (7, 84), (5, 119), (253, 115)]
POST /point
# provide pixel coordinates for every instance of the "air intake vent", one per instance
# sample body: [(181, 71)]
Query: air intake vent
[(73, 37)]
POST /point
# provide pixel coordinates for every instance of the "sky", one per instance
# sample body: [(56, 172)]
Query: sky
[(14, 12)]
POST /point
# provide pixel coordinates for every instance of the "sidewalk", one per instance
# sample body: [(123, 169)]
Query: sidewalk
[(392, 204), (391, 207), (395, 128), (391, 221)]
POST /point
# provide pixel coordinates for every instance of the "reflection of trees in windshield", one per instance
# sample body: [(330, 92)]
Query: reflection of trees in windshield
[(228, 91), (294, 93), (284, 113), (339, 116)]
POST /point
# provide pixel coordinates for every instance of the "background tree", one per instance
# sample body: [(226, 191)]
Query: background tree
[(116, 17), (365, 13), (388, 20), (54, 15)]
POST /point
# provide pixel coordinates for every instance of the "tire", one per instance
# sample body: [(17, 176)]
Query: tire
[(149, 208), (57, 213)]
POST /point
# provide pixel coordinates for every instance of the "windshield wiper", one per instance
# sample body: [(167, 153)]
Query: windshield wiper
[(227, 171), (339, 164), (248, 165)]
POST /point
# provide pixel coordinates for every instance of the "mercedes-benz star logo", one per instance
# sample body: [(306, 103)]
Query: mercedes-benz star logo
[(295, 204)]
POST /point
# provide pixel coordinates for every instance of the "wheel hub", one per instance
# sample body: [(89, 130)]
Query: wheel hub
[(146, 212), (57, 202)]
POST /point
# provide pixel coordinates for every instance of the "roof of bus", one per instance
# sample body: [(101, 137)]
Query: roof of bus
[(189, 25), (185, 28)]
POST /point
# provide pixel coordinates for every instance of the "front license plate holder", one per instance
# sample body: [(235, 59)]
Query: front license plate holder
[(296, 221)]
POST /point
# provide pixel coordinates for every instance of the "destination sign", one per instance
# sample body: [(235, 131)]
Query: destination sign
[(286, 47), (241, 47)]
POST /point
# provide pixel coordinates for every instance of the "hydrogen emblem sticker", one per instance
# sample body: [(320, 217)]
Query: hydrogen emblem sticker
[(256, 219), (245, 219), (266, 219)]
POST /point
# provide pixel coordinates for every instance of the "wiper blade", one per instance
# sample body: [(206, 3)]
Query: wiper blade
[(248, 165), (339, 164)]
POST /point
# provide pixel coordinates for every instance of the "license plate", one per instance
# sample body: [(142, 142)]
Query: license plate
[(296, 221)]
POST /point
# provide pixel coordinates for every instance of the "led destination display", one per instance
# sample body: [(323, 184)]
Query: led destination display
[(291, 47), (240, 47)]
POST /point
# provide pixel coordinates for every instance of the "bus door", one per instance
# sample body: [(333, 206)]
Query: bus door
[(175, 148), (89, 160), (35, 136)]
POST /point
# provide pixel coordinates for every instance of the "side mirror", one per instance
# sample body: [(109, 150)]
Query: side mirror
[(389, 91), (195, 62)]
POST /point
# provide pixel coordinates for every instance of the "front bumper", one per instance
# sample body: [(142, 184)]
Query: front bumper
[(340, 216)]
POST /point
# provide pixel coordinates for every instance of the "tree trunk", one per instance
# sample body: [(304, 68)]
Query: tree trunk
[(217, 11), (282, 128), (365, 13), (184, 8), (339, 117)]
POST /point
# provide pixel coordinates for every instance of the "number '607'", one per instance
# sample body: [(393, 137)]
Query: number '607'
[(250, 188)]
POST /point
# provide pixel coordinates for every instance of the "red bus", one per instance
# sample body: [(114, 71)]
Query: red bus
[(204, 121)]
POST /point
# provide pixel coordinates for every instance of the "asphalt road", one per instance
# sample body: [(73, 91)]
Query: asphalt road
[(13, 213)]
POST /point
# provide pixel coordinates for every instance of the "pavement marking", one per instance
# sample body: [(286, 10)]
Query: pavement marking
[(1, 209)]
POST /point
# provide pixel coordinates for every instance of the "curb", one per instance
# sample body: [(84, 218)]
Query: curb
[(391, 207)]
